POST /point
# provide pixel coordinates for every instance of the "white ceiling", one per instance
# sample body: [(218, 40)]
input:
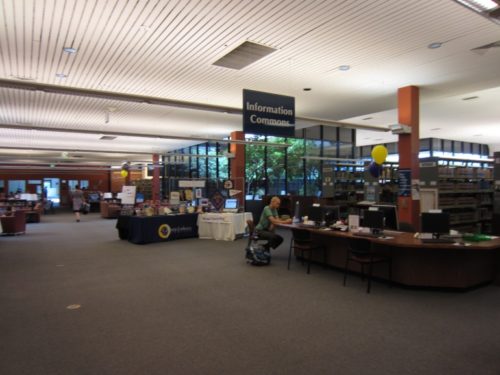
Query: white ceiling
[(165, 49)]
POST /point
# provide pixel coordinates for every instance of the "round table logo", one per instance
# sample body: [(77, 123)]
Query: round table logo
[(164, 231)]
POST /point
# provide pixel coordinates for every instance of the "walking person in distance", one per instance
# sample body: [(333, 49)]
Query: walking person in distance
[(78, 201)]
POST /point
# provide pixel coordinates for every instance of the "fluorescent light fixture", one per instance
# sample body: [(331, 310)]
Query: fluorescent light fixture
[(489, 9), (61, 75), (479, 5)]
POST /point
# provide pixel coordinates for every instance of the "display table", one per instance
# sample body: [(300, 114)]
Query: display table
[(142, 230), (223, 226)]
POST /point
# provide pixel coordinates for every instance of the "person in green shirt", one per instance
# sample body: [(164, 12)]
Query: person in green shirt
[(268, 220)]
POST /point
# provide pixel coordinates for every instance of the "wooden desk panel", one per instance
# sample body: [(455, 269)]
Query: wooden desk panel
[(420, 264)]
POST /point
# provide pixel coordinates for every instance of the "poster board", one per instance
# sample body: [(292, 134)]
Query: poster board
[(128, 195)]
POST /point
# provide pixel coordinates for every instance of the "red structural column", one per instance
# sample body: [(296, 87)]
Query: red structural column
[(238, 165), (156, 178), (408, 149)]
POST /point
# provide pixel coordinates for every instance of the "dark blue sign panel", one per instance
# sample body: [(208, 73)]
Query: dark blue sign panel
[(268, 114), (404, 178)]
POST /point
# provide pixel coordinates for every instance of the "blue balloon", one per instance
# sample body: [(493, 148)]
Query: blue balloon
[(375, 169)]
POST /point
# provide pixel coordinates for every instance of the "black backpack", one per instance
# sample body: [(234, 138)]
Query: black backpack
[(256, 254)]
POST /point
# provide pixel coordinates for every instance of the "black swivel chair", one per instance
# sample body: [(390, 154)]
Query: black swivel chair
[(302, 241), (360, 251)]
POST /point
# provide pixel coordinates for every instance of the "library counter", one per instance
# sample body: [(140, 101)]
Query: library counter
[(420, 264)]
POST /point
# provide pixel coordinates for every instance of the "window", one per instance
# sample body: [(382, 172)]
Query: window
[(276, 173), (17, 186), (255, 167)]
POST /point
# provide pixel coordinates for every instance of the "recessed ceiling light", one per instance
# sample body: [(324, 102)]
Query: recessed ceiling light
[(61, 75), (70, 50), (344, 67), (471, 98), (435, 129), (435, 45), (306, 89), (367, 118)]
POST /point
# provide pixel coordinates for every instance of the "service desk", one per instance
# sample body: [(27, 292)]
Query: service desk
[(223, 226), (142, 230), (420, 264)]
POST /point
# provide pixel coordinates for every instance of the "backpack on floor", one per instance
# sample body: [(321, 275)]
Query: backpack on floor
[(257, 255)]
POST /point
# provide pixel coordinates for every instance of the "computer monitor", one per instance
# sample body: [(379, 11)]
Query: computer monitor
[(316, 214), (107, 195), (374, 220), (331, 214), (231, 204), (94, 197), (390, 215), (436, 223), (139, 198)]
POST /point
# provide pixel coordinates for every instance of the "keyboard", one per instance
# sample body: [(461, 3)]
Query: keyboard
[(437, 240)]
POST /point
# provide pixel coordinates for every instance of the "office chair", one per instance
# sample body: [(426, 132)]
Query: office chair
[(360, 251), (302, 241)]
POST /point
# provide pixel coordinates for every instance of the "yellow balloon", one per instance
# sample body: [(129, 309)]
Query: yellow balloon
[(124, 173), (379, 153)]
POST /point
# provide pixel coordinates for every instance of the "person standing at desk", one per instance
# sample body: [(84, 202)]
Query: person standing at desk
[(268, 220)]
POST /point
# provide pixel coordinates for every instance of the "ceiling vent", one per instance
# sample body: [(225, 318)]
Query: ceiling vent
[(107, 138), (244, 55)]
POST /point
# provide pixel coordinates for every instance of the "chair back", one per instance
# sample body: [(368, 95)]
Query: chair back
[(301, 235), (360, 246), (15, 223)]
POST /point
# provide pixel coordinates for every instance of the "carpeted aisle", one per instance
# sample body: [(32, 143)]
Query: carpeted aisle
[(195, 307)]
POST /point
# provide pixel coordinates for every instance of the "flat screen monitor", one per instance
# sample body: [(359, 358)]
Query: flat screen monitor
[(390, 215), (316, 214), (139, 198), (436, 223), (107, 196), (231, 204), (93, 197), (331, 214), (373, 219)]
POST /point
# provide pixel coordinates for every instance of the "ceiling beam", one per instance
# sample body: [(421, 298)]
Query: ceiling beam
[(140, 135), (101, 94)]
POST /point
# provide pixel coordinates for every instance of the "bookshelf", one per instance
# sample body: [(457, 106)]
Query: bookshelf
[(464, 189)]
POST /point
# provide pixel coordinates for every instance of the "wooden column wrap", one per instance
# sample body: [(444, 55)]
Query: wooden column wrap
[(408, 149), (238, 165), (156, 178)]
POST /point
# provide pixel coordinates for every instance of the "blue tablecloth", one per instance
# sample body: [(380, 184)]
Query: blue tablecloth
[(142, 230)]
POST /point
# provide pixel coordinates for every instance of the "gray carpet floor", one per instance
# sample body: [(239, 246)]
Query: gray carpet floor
[(195, 307)]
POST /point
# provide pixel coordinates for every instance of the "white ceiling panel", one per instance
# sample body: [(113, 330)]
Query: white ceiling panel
[(166, 49)]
